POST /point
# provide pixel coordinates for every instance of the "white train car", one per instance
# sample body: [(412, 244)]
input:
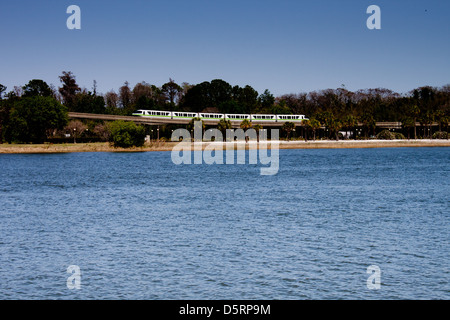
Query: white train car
[(153, 114), (237, 117), (211, 116), (264, 117), (184, 115), (158, 114), (290, 118)]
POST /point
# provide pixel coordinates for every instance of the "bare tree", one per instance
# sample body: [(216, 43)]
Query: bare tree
[(112, 100), (18, 91), (76, 129), (142, 89), (69, 88), (125, 95), (102, 131)]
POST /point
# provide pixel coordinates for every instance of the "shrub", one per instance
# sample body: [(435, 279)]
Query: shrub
[(126, 134), (386, 135), (399, 136), (440, 135)]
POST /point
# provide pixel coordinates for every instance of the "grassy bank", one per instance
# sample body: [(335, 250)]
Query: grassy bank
[(167, 146)]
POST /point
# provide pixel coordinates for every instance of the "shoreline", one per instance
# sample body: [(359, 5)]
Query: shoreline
[(168, 146)]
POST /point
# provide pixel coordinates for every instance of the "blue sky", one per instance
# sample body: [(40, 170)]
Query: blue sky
[(284, 46)]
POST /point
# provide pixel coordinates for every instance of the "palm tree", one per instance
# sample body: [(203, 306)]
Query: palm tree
[(288, 127), (408, 123), (315, 124), (257, 128), (414, 112), (334, 126), (191, 125), (426, 120), (223, 125), (245, 125), (368, 123), (350, 122), (307, 124), (328, 119)]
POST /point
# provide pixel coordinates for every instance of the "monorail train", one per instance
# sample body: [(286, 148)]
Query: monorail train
[(218, 116)]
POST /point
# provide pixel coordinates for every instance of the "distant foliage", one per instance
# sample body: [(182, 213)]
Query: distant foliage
[(440, 135), (32, 119), (386, 135), (126, 134)]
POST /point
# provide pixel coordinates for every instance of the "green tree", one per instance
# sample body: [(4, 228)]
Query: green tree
[(126, 134), (247, 97), (207, 95), (231, 106), (280, 108), (5, 107), (197, 97), (87, 102), (33, 118), (219, 92), (37, 88), (267, 100)]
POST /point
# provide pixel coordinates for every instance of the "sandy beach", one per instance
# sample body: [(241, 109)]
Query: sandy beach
[(168, 146)]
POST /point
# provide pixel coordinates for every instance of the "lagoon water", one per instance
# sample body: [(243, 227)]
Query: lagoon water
[(140, 227)]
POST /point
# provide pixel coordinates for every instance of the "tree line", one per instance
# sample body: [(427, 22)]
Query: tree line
[(35, 111)]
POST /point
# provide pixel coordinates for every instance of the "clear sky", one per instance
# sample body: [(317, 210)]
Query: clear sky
[(284, 46)]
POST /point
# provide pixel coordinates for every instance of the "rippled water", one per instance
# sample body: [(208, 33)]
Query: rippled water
[(140, 227)]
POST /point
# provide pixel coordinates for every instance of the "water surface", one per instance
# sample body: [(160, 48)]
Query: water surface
[(140, 227)]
